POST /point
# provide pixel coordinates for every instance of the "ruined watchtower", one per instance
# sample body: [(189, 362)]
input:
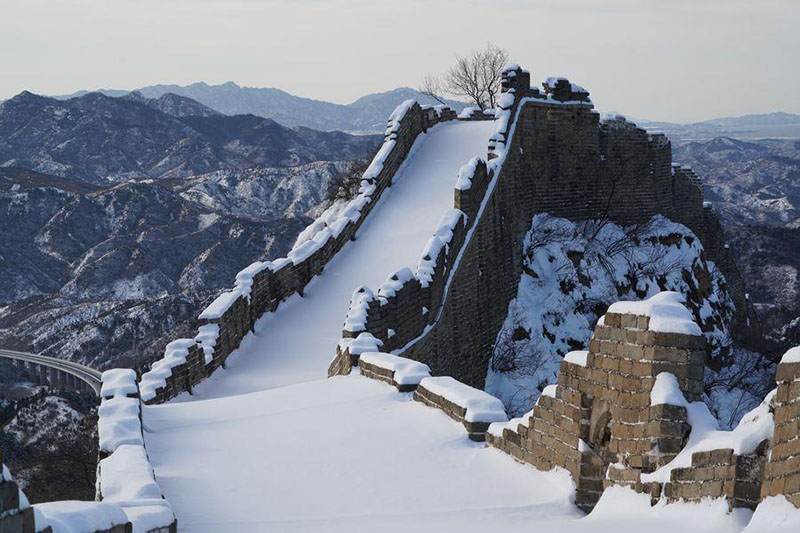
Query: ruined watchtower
[(601, 421)]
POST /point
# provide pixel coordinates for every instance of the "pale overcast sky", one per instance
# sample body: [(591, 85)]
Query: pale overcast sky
[(675, 60)]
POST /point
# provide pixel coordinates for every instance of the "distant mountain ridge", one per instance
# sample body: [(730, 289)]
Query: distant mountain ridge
[(102, 139), (368, 114), (777, 125)]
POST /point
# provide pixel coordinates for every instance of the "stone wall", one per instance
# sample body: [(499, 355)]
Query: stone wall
[(261, 287), (16, 515), (551, 153), (720, 474), (782, 471), (600, 413)]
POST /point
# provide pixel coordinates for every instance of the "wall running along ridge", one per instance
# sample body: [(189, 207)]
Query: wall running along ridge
[(550, 153), (261, 287)]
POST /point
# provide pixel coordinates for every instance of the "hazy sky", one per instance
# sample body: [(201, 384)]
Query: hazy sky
[(660, 59)]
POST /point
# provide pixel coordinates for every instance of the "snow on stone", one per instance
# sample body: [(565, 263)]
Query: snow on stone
[(754, 427), (126, 476), (467, 112), (283, 350), (355, 467), (118, 382), (207, 336), (406, 371), (550, 299), (356, 319), (791, 356), (666, 311), (365, 342), (480, 406), (577, 357), (175, 354), (395, 282), (149, 518), (550, 391), (496, 428), (465, 174), (666, 391), (220, 305), (118, 423), (78, 517)]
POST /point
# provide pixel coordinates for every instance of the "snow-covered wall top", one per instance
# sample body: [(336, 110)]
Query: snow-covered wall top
[(261, 287), (550, 153)]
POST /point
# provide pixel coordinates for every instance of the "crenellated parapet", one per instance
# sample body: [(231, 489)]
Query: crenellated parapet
[(550, 153), (261, 287)]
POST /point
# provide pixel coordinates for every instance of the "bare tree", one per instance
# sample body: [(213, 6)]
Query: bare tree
[(476, 77), (432, 88)]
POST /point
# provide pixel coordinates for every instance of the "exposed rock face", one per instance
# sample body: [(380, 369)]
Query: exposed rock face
[(100, 139), (573, 271)]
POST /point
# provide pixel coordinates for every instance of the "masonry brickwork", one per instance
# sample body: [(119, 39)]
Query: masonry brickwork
[(782, 471), (600, 413), (271, 286), (562, 160), (14, 516)]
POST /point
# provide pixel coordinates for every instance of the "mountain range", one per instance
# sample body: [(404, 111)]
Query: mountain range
[(778, 125), (102, 139), (368, 114)]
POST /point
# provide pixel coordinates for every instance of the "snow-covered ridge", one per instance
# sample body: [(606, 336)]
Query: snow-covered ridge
[(261, 287)]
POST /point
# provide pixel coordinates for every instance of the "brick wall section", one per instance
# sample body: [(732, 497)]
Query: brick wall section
[(601, 413), (561, 160), (782, 471), (720, 474), (272, 286), (12, 518), (476, 431)]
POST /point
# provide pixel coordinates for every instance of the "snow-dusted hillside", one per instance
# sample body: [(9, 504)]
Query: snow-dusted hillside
[(573, 271)]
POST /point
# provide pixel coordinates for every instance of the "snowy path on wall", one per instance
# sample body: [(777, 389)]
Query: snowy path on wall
[(297, 343), (351, 454)]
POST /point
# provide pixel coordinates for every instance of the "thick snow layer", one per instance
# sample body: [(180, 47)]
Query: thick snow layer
[(365, 342), (343, 454), (118, 382), (480, 406), (666, 391), (406, 371), (78, 517), (620, 509), (577, 357), (174, 354), (496, 428), (666, 311), (755, 427), (791, 356), (297, 342), (126, 476), (147, 518), (119, 423), (775, 514)]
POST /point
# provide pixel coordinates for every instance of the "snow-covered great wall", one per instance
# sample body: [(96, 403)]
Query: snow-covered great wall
[(238, 429)]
